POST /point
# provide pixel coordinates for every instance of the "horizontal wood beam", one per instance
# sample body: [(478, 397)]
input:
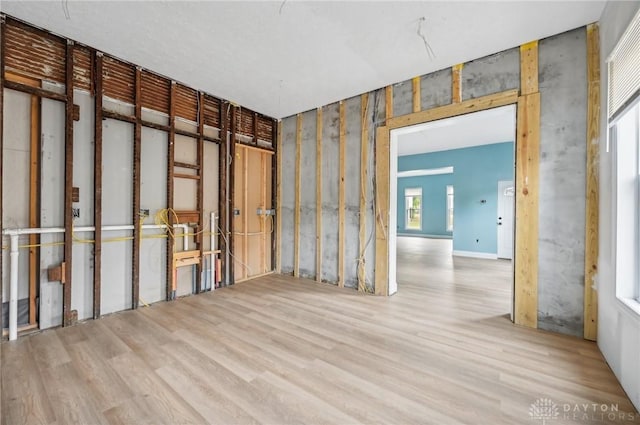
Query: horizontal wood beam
[(36, 91), (465, 107)]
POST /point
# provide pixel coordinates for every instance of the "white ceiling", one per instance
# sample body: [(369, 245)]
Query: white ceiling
[(284, 57), (480, 128)]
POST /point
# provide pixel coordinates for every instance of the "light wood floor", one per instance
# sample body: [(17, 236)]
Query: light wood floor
[(279, 350)]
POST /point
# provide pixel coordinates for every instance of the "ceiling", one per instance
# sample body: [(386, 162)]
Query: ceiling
[(284, 57), (479, 128)]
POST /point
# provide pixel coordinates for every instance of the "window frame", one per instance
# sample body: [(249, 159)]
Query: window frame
[(407, 209), (626, 211), (450, 208)]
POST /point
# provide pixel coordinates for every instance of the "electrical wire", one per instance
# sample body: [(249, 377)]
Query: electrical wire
[(231, 253)]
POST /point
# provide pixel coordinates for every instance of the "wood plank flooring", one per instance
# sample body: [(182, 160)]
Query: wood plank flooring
[(280, 350)]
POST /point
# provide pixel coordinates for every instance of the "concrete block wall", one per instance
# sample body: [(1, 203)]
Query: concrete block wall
[(562, 76)]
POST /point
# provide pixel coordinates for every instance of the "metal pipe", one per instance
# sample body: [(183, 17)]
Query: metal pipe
[(214, 225), (13, 294), (14, 234)]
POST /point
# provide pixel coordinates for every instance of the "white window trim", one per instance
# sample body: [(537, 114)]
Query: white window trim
[(630, 304), (406, 224), (449, 224)]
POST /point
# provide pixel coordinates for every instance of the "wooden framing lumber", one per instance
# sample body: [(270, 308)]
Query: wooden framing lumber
[(319, 194), (364, 162), (526, 243), (135, 214), (296, 210), (97, 189), (529, 68), (456, 83), (36, 91), (223, 206), (341, 195), (382, 211), (34, 205), (170, 290), (232, 191), (200, 195), (274, 194), (67, 317), (416, 94), (593, 155), (263, 207), (388, 103), (527, 190), (467, 106), (245, 210), (2, 84)]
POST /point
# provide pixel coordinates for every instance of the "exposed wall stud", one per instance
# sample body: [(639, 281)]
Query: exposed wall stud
[(170, 169), (296, 211), (382, 211), (279, 198), (2, 84), (34, 206), (364, 163), (341, 195), (68, 188), (97, 188), (593, 156), (456, 84), (529, 68), (232, 190), (416, 92), (388, 104), (200, 196), (135, 214), (319, 194), (223, 205), (526, 243)]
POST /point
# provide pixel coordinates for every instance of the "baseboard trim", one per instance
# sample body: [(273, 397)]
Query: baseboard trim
[(416, 235), (473, 254)]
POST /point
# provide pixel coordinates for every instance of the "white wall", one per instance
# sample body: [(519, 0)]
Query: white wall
[(618, 326)]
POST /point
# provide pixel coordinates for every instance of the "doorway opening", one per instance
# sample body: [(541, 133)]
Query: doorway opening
[(464, 170)]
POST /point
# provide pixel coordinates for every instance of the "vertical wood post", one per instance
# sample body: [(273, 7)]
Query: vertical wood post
[(527, 190), (97, 188), (296, 209), (593, 157), (319, 194), (223, 206), (416, 91), (68, 188), (341, 195), (170, 170), (364, 162), (135, 213), (456, 83)]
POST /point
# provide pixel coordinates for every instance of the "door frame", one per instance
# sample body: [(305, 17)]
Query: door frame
[(526, 183)]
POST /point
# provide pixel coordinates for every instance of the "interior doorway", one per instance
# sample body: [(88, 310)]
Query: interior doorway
[(464, 169)]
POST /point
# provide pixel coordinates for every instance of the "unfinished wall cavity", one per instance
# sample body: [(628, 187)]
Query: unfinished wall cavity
[(562, 84), (89, 141)]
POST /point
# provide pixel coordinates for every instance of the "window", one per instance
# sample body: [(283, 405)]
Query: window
[(624, 140), (413, 208), (449, 208), (624, 136)]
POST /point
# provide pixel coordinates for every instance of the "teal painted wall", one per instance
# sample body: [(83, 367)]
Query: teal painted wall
[(434, 204), (476, 172)]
